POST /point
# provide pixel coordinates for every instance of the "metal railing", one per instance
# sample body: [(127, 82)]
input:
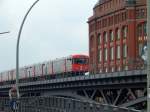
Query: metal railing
[(59, 104)]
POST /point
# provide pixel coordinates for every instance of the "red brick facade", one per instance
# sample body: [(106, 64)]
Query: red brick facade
[(117, 32)]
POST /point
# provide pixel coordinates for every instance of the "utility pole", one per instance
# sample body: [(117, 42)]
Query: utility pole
[(148, 57)]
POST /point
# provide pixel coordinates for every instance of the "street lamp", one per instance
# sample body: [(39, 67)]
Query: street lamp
[(17, 48), (4, 32)]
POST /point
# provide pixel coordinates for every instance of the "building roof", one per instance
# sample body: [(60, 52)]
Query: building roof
[(100, 2), (103, 1)]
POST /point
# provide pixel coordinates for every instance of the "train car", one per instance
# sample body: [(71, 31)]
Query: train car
[(80, 63), (12, 75), (58, 66), (49, 66), (62, 67), (74, 64)]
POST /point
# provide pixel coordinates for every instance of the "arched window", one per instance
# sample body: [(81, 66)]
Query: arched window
[(124, 32), (118, 34), (91, 41), (145, 28), (124, 51), (99, 55), (111, 36), (118, 52), (99, 39), (105, 54), (139, 30), (112, 53), (105, 37)]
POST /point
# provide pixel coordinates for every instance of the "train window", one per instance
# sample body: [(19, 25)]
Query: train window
[(69, 59), (80, 61)]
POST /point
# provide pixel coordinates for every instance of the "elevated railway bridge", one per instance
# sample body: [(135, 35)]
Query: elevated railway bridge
[(124, 89)]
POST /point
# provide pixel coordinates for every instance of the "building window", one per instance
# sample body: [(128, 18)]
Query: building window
[(140, 48), (124, 16), (99, 55), (112, 69), (145, 28), (92, 59), (137, 13), (92, 41), (139, 30), (106, 69), (118, 34), (124, 51), (125, 67), (105, 37), (104, 24), (105, 54), (111, 36), (118, 68), (99, 39), (109, 21), (124, 32), (112, 20), (100, 71), (140, 13), (117, 18), (112, 53), (118, 52)]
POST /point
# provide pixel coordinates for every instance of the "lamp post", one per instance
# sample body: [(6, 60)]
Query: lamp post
[(4, 32), (148, 57), (17, 48)]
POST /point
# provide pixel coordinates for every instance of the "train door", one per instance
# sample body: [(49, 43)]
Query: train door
[(11, 74), (8, 74), (33, 71), (64, 67), (1, 77), (58, 66), (21, 72), (25, 72), (14, 75), (38, 70), (49, 68), (29, 72), (69, 64), (5, 77)]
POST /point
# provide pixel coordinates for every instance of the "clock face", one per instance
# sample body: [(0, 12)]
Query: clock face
[(144, 52)]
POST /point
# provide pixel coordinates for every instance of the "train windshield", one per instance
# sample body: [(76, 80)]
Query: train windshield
[(80, 61)]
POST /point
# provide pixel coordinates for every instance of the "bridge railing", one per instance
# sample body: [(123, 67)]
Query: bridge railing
[(59, 104)]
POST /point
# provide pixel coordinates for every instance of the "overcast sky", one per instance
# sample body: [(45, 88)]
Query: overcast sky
[(54, 29)]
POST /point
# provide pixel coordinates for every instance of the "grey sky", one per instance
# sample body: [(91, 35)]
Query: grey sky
[(54, 28)]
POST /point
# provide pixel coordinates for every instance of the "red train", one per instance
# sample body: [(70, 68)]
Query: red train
[(63, 67)]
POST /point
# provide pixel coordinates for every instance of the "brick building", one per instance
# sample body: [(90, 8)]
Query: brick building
[(117, 33)]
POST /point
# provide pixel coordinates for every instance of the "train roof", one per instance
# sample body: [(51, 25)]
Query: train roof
[(79, 55)]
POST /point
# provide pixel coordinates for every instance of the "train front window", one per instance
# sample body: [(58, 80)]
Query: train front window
[(80, 61)]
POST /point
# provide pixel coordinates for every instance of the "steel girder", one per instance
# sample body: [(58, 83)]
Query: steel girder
[(120, 88)]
